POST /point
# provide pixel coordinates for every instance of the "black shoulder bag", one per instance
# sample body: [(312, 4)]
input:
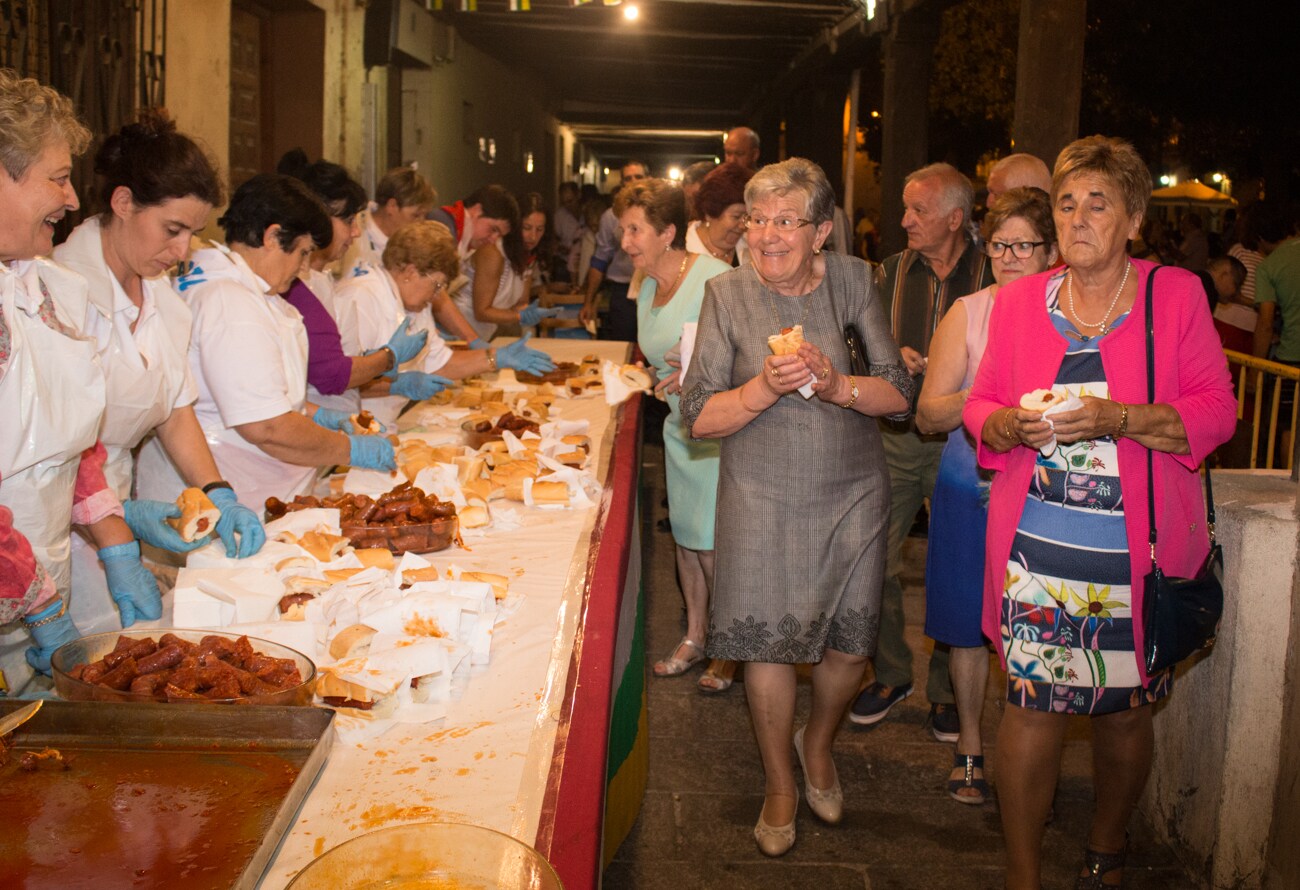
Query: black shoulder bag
[(1180, 615)]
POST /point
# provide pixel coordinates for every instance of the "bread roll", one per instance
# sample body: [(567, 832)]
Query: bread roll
[(376, 558), (352, 641), (364, 424), (787, 342), (636, 377), (1042, 399), (415, 576), (198, 515), (324, 546)]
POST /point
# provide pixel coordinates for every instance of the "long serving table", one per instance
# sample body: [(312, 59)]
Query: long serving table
[(548, 742)]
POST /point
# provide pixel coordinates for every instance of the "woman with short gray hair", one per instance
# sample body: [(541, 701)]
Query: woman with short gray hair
[(802, 493)]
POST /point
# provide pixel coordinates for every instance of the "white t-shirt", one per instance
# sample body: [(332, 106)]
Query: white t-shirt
[(510, 290)]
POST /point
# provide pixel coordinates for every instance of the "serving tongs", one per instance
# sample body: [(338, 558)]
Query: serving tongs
[(19, 717)]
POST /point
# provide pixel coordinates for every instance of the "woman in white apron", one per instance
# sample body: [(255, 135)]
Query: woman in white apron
[(51, 388), (158, 187), (419, 260), (332, 375), (248, 354)]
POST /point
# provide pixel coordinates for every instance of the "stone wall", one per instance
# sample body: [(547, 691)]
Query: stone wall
[(1223, 744)]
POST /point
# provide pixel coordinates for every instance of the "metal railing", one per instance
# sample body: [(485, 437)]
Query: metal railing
[(1260, 386)]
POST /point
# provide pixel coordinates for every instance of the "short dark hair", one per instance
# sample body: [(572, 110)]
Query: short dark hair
[(342, 195), (1236, 268), (497, 203), (664, 204), (722, 187), (270, 199), (156, 162)]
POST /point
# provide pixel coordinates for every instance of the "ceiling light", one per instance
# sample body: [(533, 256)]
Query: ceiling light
[(630, 12)]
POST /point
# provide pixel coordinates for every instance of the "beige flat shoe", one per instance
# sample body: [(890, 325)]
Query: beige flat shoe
[(828, 804), (775, 840)]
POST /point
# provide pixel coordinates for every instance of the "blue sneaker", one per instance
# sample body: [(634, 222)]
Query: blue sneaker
[(873, 703)]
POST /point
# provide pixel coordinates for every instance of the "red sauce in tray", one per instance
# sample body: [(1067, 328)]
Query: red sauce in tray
[(139, 818)]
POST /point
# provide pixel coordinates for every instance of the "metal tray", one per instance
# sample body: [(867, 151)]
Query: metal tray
[(204, 746)]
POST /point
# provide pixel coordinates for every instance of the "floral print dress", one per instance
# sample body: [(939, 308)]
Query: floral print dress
[(1067, 622)]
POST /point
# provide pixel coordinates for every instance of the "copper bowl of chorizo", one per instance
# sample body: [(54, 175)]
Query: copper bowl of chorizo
[(172, 665)]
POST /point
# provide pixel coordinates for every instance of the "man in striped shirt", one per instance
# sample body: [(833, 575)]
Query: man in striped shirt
[(941, 263)]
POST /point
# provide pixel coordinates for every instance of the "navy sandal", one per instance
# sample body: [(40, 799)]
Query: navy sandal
[(1098, 865), (970, 763)]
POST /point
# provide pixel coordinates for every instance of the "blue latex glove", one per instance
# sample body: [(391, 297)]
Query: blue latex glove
[(147, 522), (236, 519), (533, 313), (518, 356), (373, 453), (418, 385), (339, 421), (406, 346), (49, 637), (129, 583), (478, 343)]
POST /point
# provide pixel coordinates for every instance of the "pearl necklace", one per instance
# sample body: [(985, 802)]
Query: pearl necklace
[(707, 240), (1101, 325)]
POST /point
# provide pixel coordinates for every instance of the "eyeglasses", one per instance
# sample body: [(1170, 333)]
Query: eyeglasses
[(1021, 250), (783, 224)]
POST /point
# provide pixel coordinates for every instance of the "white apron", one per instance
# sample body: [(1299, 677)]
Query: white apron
[(52, 396), (385, 409), (146, 372), (254, 474)]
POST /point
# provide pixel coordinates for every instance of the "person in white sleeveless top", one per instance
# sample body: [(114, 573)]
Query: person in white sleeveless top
[(1020, 240), (500, 276), (52, 394), (248, 353), (157, 187)]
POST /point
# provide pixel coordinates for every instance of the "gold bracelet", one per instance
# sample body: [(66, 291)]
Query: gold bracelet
[(492, 359), (63, 610), (853, 396), (1122, 430), (1006, 427)]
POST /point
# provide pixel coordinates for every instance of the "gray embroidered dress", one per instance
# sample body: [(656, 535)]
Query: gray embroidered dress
[(803, 493)]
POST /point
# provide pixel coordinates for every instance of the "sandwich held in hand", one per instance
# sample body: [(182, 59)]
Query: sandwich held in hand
[(364, 424), (787, 343), (1048, 402), (198, 515)]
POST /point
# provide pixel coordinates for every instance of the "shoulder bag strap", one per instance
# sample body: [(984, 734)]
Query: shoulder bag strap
[(1151, 398)]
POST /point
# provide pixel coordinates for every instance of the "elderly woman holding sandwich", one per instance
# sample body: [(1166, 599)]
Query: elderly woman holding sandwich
[(802, 493)]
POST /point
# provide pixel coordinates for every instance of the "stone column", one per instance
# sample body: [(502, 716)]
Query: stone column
[(1049, 76), (909, 55)]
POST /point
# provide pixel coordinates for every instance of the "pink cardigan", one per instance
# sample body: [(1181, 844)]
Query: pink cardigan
[(1025, 353)]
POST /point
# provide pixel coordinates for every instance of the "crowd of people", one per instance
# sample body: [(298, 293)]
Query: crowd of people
[(822, 401)]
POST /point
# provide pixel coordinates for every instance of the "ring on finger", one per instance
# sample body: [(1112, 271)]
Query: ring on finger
[(775, 372), (826, 372)]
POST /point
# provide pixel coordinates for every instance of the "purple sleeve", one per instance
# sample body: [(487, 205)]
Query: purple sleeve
[(328, 369)]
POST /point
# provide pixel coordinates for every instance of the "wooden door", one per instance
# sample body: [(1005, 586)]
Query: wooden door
[(245, 96)]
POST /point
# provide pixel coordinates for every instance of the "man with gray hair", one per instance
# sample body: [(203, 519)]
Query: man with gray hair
[(1017, 170), (940, 264), (741, 147)]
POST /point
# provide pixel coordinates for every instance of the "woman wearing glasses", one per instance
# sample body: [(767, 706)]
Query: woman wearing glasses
[(802, 492), (1021, 240), (419, 260)]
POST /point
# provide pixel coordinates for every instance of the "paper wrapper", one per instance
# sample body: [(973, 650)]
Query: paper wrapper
[(1071, 403), (616, 391), (688, 345)]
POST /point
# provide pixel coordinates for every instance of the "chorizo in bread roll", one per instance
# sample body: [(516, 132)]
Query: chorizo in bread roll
[(364, 424), (198, 515), (324, 546), (1041, 399), (787, 342), (352, 641), (636, 377)]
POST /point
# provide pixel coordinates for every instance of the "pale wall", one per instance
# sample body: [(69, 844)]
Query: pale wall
[(197, 76), (506, 104), (1221, 741)]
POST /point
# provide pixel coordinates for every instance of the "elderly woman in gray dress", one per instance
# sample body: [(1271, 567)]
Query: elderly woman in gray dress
[(802, 492)]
